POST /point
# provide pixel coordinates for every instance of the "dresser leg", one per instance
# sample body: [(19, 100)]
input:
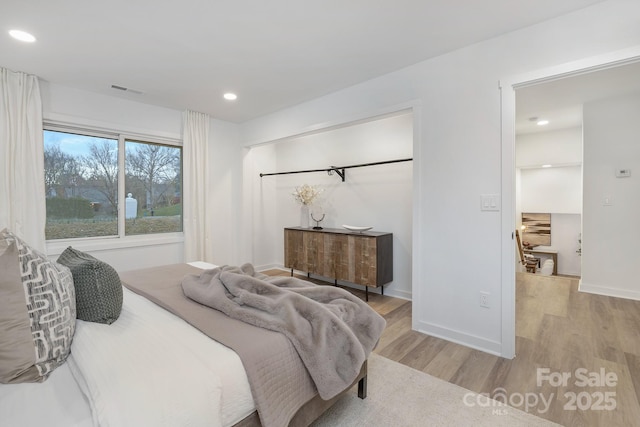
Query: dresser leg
[(291, 271), (366, 293), (362, 388)]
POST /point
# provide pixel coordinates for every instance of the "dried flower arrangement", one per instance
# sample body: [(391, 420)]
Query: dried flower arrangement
[(306, 194)]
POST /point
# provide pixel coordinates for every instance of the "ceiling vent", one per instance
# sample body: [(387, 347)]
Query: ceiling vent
[(126, 89)]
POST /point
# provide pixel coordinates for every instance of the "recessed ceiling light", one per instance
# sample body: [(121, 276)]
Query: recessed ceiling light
[(23, 36), (230, 96), (546, 166), (542, 122)]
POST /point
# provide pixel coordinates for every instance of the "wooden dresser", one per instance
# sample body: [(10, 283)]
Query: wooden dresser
[(361, 258)]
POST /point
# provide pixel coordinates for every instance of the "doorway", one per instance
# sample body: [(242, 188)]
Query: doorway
[(548, 175), (572, 76)]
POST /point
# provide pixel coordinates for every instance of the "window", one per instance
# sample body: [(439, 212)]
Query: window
[(87, 178), (153, 187)]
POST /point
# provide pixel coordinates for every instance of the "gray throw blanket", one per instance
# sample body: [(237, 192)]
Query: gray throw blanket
[(332, 330)]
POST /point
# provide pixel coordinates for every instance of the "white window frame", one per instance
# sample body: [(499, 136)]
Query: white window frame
[(57, 246)]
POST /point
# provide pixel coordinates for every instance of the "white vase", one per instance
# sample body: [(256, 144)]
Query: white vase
[(304, 216)]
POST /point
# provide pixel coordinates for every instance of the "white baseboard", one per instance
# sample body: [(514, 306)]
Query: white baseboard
[(462, 338), (399, 294), (269, 267), (610, 292), (388, 292)]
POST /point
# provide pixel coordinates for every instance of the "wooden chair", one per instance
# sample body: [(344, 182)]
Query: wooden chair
[(529, 261)]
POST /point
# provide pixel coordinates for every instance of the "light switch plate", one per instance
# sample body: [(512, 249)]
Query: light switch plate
[(489, 202)]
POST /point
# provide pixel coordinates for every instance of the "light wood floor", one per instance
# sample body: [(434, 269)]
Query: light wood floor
[(557, 328)]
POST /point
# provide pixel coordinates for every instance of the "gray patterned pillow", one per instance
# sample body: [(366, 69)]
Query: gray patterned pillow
[(37, 312), (97, 284)]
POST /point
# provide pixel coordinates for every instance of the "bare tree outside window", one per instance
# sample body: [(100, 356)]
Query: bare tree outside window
[(153, 178), (80, 177), (61, 171), (101, 169), (156, 167)]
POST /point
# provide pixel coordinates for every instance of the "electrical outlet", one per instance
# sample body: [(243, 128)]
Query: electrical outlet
[(484, 299)]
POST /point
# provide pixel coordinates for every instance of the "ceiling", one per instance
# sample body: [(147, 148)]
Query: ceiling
[(560, 101), (273, 54)]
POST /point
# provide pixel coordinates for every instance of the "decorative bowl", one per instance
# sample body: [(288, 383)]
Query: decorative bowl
[(355, 228)]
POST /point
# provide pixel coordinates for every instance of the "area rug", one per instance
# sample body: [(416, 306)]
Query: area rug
[(400, 396)]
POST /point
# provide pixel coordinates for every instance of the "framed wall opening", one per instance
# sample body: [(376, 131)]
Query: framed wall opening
[(509, 87)]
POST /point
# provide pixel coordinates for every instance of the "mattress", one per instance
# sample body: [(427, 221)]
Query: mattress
[(66, 397), (58, 401)]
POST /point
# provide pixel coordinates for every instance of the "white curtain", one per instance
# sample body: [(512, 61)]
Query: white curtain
[(22, 190), (197, 215)]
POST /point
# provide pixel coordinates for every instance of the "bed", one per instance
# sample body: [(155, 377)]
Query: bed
[(64, 400), (154, 367)]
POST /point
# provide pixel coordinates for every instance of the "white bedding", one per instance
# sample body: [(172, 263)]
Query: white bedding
[(148, 368), (56, 402)]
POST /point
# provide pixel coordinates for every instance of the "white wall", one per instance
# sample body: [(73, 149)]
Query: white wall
[(565, 232), (552, 190), (457, 248), (378, 196), (558, 147), (225, 191), (74, 106), (265, 226), (611, 141)]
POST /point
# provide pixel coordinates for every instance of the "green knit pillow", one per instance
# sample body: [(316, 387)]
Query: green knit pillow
[(97, 285)]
